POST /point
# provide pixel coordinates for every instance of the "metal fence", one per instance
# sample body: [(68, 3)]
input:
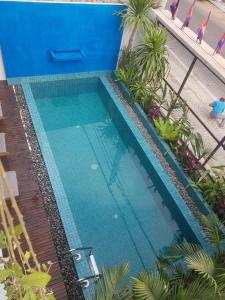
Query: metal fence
[(189, 79)]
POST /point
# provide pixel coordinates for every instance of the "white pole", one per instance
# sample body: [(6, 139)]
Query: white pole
[(2, 68)]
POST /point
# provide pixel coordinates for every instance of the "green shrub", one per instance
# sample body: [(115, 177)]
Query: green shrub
[(151, 55), (167, 130)]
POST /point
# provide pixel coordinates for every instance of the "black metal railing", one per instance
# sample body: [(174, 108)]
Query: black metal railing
[(219, 143)]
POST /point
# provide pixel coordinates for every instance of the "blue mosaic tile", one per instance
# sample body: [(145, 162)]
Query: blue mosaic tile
[(68, 221)]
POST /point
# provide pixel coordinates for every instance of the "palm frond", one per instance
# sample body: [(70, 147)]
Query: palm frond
[(213, 229), (199, 289), (137, 12), (176, 291), (168, 267), (202, 264), (150, 286), (220, 279), (200, 149), (111, 285), (184, 249)]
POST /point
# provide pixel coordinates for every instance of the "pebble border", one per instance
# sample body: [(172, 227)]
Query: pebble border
[(58, 234), (157, 152)]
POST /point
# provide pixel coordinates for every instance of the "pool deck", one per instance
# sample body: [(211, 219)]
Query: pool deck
[(29, 201)]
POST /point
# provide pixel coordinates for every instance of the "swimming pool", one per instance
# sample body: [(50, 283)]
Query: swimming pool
[(111, 190)]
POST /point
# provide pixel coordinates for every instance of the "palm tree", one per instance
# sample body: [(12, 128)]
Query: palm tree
[(112, 284), (151, 55), (191, 264), (149, 286), (189, 273), (137, 15)]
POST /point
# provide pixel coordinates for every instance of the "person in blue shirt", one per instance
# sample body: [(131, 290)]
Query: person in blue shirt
[(218, 107)]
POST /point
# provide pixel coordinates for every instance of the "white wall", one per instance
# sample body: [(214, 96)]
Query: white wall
[(2, 69)]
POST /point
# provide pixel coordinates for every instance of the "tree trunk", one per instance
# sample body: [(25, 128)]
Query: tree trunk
[(130, 43)]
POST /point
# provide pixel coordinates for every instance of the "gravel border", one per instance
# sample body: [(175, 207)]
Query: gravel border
[(157, 152), (58, 234)]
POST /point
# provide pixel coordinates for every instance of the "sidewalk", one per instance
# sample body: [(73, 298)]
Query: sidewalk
[(202, 86), (198, 94), (219, 4)]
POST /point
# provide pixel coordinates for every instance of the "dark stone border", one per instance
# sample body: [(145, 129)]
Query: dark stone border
[(58, 234), (171, 172), (172, 160), (164, 148)]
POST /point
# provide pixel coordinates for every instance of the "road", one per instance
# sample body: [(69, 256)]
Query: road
[(216, 25)]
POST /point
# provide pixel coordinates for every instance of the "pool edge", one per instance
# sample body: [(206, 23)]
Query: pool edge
[(165, 178)]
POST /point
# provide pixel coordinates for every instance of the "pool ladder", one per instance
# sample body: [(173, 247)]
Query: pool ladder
[(76, 255)]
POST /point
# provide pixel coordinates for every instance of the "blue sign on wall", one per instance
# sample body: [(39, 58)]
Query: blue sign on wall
[(54, 38)]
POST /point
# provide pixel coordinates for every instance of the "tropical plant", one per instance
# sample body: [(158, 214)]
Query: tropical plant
[(151, 55), (150, 286), (214, 232), (167, 130), (187, 273), (220, 208), (171, 105), (161, 91), (154, 111), (135, 15), (112, 285), (141, 93), (191, 264), (125, 58), (23, 276), (157, 287), (127, 70), (128, 76), (188, 160), (199, 148), (192, 148), (213, 192), (158, 100)]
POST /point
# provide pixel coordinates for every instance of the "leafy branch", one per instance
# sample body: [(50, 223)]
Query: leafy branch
[(22, 274)]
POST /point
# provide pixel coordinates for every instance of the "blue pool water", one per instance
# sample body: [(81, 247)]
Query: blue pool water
[(118, 201)]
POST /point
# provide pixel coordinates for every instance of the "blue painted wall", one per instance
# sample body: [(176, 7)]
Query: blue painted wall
[(29, 30)]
